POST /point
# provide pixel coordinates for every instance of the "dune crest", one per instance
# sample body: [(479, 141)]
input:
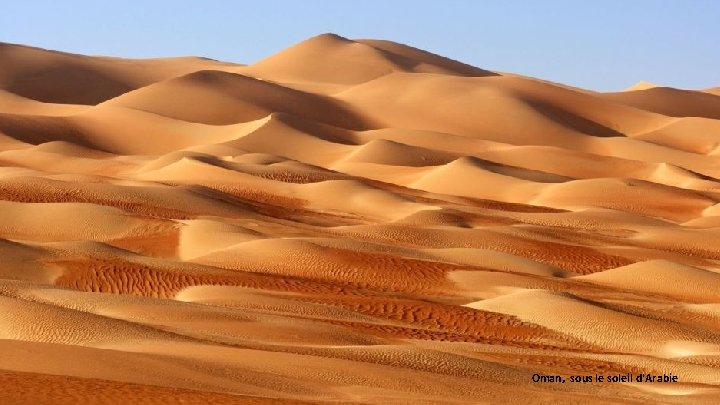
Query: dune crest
[(641, 85)]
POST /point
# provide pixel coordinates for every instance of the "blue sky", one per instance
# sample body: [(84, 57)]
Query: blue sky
[(602, 45)]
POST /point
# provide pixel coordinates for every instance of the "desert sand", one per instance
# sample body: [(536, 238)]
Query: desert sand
[(351, 221)]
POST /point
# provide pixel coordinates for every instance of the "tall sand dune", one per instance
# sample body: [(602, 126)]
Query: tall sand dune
[(335, 59)]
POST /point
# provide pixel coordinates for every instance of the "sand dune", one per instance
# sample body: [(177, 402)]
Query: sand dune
[(202, 236), (713, 90), (288, 137), (350, 221), (333, 59), (641, 85), (670, 101), (474, 107), (57, 77), (228, 98), (590, 322), (72, 221), (661, 277), (397, 154), (24, 262), (693, 134), (662, 201), (472, 177), (12, 103)]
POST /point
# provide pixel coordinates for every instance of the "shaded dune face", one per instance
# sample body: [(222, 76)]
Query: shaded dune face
[(350, 221)]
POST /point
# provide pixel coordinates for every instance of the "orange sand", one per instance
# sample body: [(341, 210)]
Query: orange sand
[(350, 221)]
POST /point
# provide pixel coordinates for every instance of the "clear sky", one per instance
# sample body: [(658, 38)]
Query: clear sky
[(602, 45)]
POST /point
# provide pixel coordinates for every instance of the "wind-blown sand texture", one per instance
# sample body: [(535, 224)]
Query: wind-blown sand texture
[(350, 221)]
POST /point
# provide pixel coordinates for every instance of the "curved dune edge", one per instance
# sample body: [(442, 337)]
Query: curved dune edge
[(661, 277), (598, 325)]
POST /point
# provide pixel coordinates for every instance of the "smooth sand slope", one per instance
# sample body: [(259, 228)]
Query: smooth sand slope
[(350, 221)]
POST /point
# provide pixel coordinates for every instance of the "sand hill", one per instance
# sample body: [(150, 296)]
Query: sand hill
[(350, 221)]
